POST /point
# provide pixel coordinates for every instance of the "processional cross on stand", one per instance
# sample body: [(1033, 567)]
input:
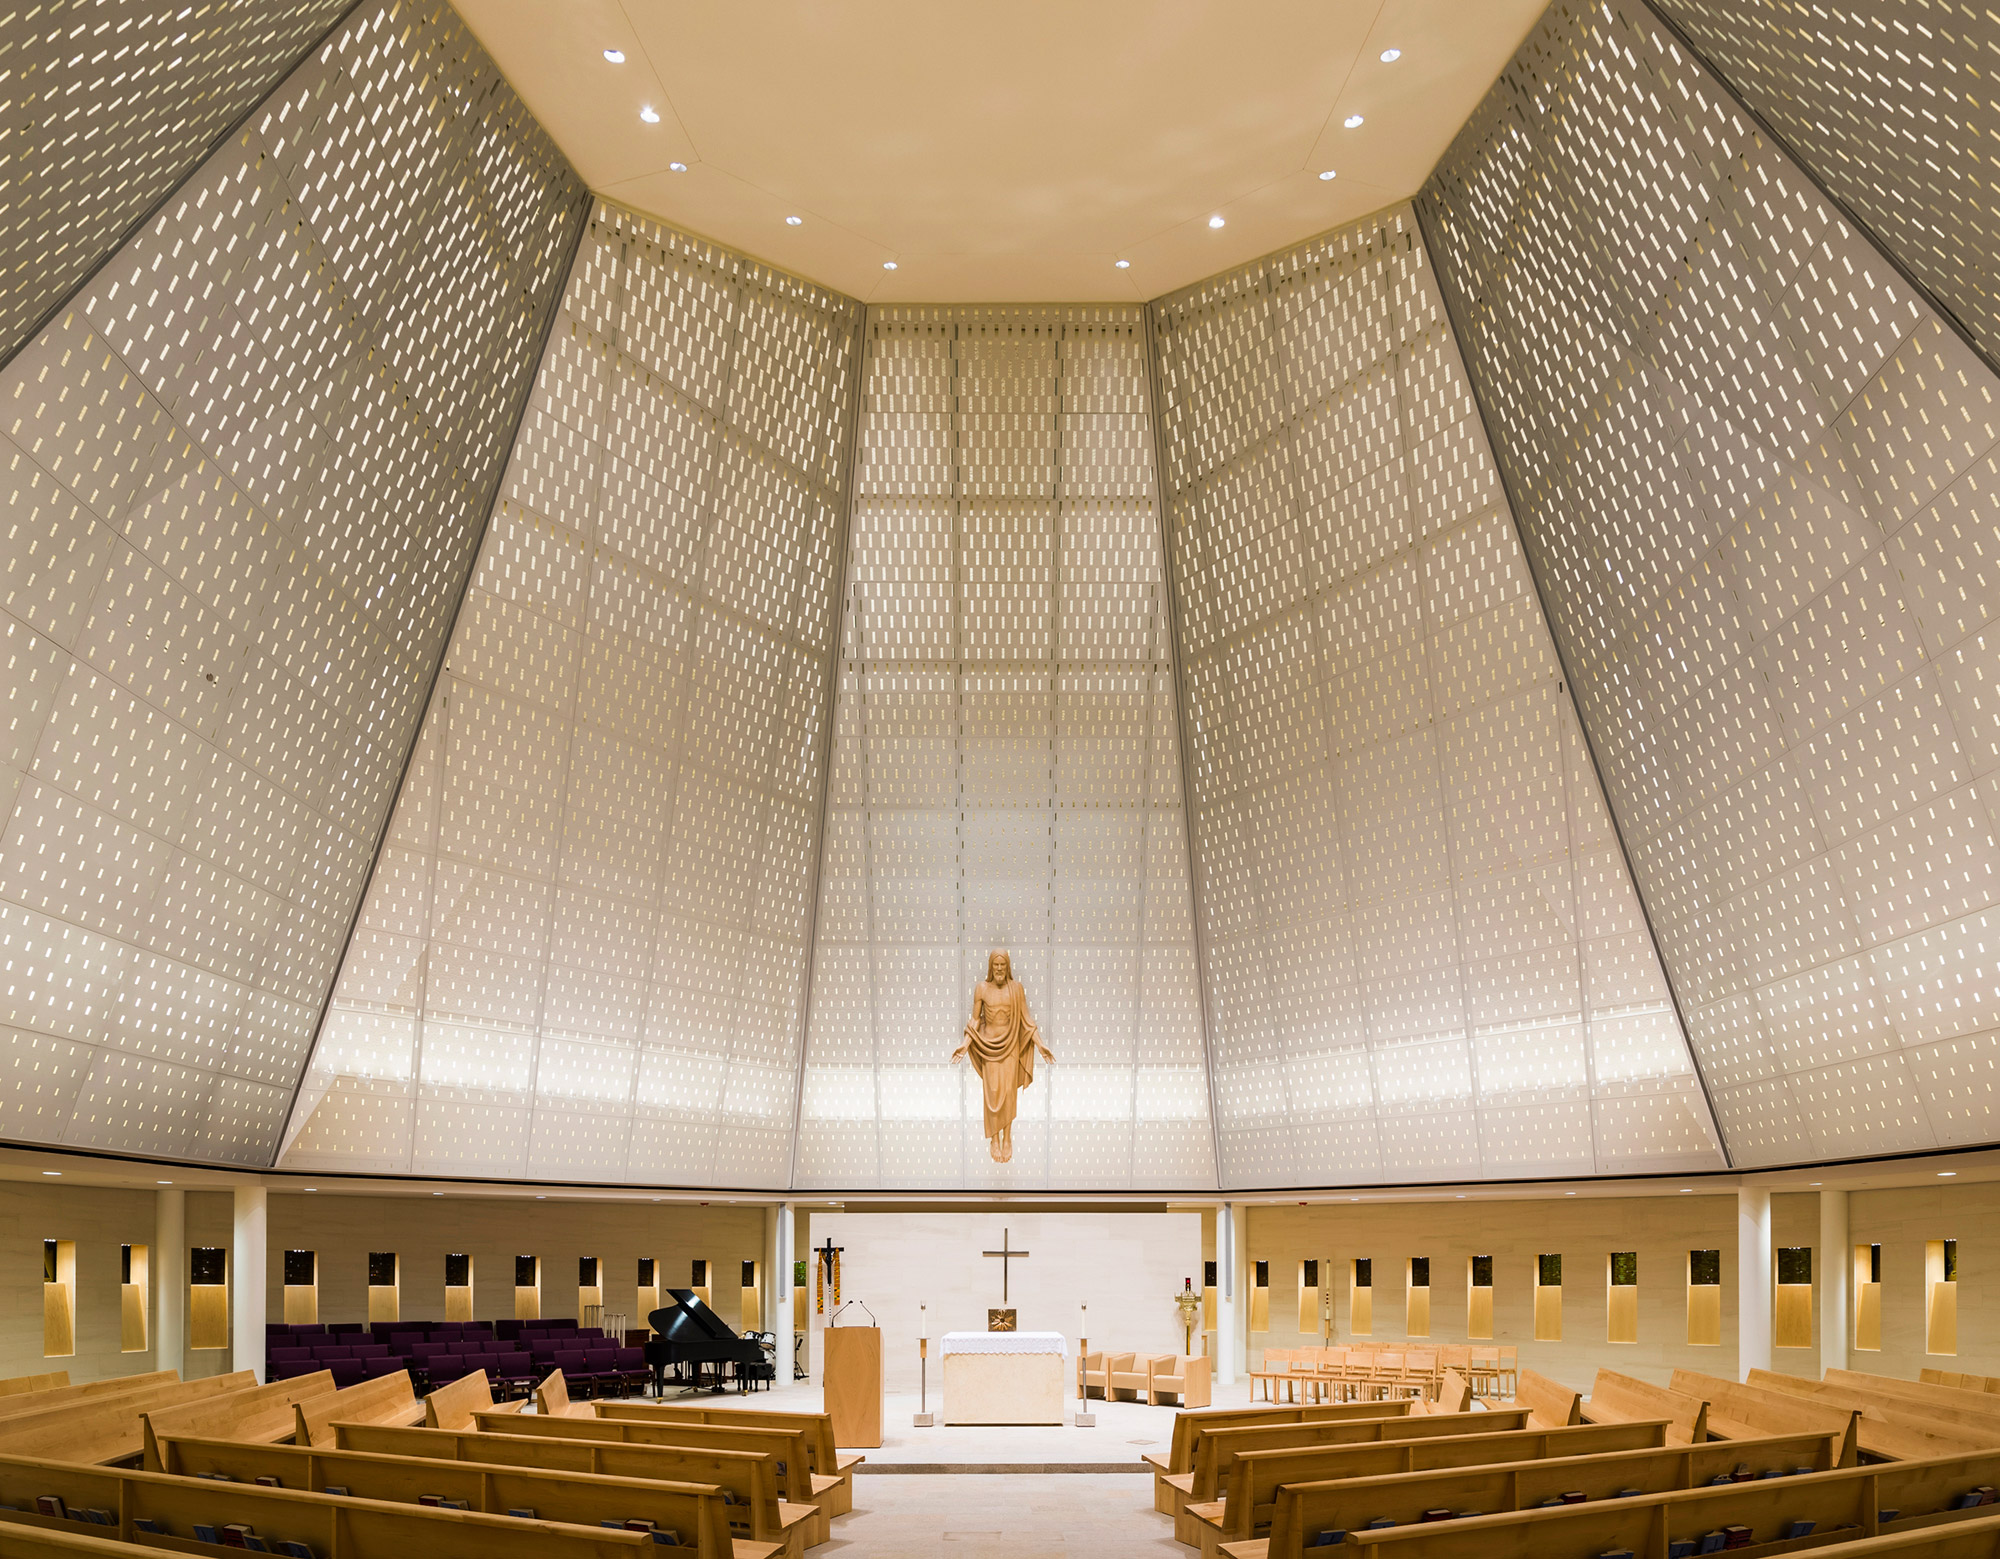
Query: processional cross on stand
[(1006, 1255)]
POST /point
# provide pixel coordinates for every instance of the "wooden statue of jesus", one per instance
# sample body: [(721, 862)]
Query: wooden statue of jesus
[(1002, 1040)]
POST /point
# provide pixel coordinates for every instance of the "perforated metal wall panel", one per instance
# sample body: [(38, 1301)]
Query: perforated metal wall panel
[(1757, 480), (585, 952), (1006, 769), (105, 106), (246, 471), (1425, 957), (1890, 104)]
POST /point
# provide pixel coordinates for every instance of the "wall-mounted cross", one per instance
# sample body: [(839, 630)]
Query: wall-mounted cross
[(1006, 1255)]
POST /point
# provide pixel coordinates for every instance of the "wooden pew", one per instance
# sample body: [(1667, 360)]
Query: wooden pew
[(827, 1459), (1955, 1410), (1887, 1433), (1350, 1504), (1986, 1383), (800, 1483), (106, 1429), (695, 1511), (18, 1385), (552, 1399), (333, 1526), (1179, 1457), (387, 1399), (1270, 1452), (751, 1477), (62, 1396), (1618, 1399), (259, 1414), (1737, 1412), (1199, 1483), (453, 1406), (1454, 1396), (1550, 1402), (1961, 1540), (1853, 1502)]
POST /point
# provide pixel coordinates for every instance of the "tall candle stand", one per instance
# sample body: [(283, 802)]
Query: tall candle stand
[(1085, 1419), (923, 1418)]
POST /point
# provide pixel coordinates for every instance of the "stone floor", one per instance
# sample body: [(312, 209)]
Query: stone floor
[(901, 1511)]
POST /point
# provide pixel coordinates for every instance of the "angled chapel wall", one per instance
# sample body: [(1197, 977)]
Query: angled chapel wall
[(247, 467), (1756, 476)]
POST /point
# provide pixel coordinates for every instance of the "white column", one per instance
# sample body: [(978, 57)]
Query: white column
[(168, 1269), (249, 1281), (781, 1291), (1753, 1281), (1225, 1295), (1836, 1276)]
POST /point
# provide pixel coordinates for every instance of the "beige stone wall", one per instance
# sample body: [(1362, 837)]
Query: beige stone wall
[(1584, 1230), (99, 1221), (422, 1230)]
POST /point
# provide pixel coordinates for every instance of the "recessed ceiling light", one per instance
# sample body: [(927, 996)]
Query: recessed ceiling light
[(615, 56), (793, 221), (163, 1182), (1352, 121), (888, 265), (437, 1193), (1123, 265), (677, 167), (1390, 56), (1686, 1189), (1216, 220), (1943, 1174), (1569, 1193), (650, 114), (56, 1172), (1328, 174)]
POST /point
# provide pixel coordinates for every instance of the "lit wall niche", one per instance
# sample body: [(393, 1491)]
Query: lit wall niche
[(1792, 1306), (1704, 1282), (649, 1287), (135, 1299), (208, 1298), (458, 1286), (385, 1288), (1621, 1306), (301, 1287), (1309, 1298), (1941, 1296), (58, 1298), (1260, 1297), (1549, 1298), (1868, 1298), (527, 1288), (1361, 1297), (589, 1289), (1479, 1298), (1417, 1319)]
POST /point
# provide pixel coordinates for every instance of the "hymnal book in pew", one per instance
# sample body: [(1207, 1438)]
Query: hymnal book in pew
[(51, 1505)]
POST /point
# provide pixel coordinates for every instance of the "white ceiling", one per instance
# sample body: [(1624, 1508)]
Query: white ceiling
[(1003, 153)]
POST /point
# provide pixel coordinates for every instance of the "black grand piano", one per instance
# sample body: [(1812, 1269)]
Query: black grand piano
[(690, 1339)]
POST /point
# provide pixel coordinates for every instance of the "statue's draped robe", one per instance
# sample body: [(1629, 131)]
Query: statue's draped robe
[(1000, 1041)]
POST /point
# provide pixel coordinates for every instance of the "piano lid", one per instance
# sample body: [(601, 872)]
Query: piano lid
[(688, 1318)]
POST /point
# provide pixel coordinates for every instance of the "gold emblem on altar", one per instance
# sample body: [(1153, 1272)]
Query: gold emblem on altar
[(1002, 1041)]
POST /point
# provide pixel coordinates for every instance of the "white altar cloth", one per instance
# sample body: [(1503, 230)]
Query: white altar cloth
[(1003, 1342)]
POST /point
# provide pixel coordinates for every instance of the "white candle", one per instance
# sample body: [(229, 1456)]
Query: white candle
[(924, 1322), (1083, 1320)]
